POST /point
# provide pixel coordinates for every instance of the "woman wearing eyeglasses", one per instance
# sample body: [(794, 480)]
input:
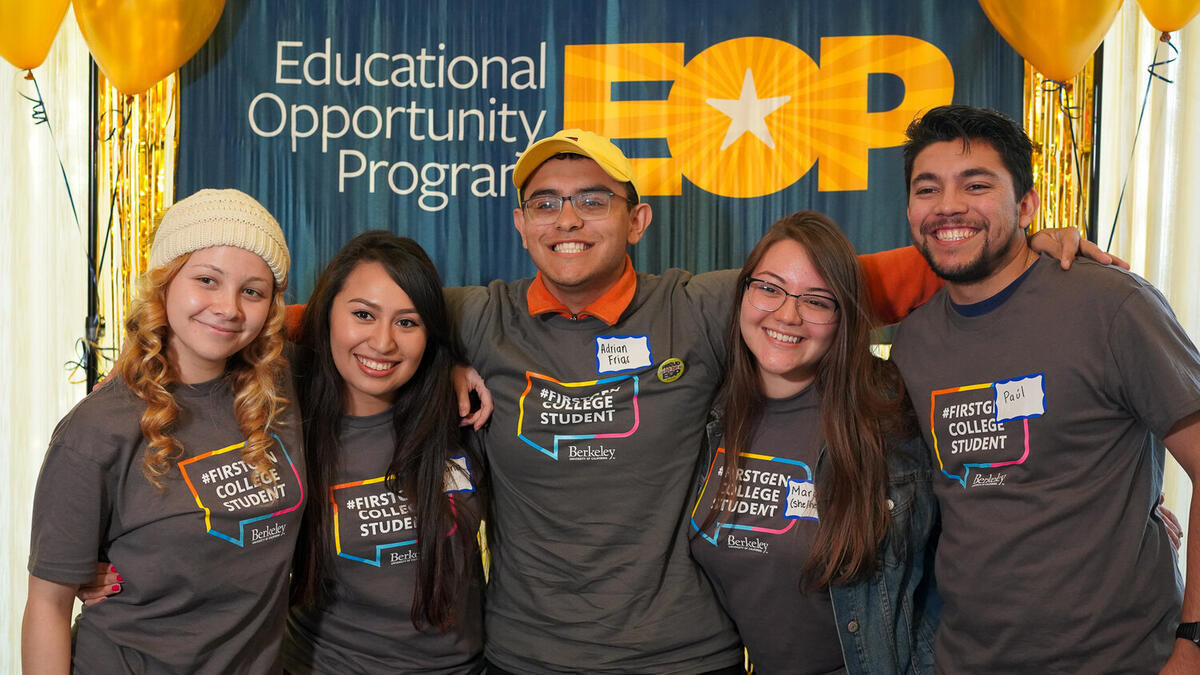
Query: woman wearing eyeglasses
[(815, 508)]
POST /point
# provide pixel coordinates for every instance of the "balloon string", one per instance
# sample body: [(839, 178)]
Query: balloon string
[(120, 129), (40, 116), (1152, 69), (1071, 113), (91, 343)]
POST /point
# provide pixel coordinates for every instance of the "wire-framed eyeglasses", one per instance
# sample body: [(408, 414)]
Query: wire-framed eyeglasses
[(589, 205), (812, 307)]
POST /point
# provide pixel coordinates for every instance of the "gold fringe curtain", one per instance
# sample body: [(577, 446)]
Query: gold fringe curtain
[(136, 145), (1052, 114)]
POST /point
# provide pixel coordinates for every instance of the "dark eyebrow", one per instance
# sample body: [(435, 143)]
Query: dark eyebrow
[(375, 307), (978, 171), (778, 281), (363, 301), (547, 192), (973, 172)]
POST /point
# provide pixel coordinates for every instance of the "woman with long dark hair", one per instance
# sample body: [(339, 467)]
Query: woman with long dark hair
[(815, 510), (387, 574)]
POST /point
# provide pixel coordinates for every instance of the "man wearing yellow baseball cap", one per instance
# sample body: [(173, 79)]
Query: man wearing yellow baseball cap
[(602, 379)]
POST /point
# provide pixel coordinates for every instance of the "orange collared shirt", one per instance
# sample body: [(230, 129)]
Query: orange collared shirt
[(608, 307)]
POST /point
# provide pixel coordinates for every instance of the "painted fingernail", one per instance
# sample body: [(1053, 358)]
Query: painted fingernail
[(115, 588), (120, 578), (112, 568)]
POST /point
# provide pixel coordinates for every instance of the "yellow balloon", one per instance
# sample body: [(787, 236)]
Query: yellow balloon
[(1056, 36), (1169, 15), (139, 42), (27, 29)]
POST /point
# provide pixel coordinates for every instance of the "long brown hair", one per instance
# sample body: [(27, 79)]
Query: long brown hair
[(862, 403), (255, 373)]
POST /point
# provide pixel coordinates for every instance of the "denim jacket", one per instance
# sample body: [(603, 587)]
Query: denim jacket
[(886, 621)]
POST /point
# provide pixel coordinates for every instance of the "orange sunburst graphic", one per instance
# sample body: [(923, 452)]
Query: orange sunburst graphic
[(734, 77), (750, 116)]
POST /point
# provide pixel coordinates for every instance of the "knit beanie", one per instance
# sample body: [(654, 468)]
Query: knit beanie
[(221, 218)]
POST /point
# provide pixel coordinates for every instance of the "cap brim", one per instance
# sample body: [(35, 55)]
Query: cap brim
[(539, 152)]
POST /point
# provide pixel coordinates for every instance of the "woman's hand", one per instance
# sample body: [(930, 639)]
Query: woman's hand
[(106, 582)]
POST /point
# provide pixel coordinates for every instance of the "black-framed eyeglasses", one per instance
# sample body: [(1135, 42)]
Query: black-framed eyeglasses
[(589, 205), (812, 307)]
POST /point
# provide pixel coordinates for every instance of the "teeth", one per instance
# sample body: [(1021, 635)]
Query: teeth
[(953, 233), (373, 364), (570, 247), (782, 337)]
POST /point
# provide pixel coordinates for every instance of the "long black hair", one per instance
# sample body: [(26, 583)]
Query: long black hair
[(425, 419)]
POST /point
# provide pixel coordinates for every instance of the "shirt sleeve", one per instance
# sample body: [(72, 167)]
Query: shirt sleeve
[(466, 306), (1158, 365), (70, 514), (899, 281), (712, 296), (291, 320)]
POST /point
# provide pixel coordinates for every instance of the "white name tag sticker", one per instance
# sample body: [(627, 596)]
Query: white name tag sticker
[(1020, 398), (619, 354), (801, 500), (458, 475)]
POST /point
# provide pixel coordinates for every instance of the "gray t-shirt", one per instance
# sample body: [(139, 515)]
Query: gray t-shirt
[(1044, 416), (206, 560), (591, 452), (365, 626), (754, 556)]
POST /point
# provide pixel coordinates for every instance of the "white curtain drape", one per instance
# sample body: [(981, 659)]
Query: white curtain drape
[(43, 297), (1158, 225)]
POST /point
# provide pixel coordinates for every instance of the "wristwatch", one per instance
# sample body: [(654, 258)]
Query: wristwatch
[(1189, 632)]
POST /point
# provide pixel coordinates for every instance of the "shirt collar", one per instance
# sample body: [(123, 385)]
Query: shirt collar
[(608, 307)]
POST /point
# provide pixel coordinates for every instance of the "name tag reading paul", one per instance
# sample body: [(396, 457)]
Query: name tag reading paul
[(619, 354)]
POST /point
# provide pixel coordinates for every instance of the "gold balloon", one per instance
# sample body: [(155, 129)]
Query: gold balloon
[(1169, 15), (138, 42), (27, 29), (1056, 36)]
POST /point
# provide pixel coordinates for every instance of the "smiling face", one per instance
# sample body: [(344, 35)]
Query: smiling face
[(377, 338), (216, 305), (786, 348), (966, 219), (579, 259)]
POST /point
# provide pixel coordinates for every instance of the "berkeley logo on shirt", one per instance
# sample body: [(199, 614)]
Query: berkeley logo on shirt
[(980, 429), (377, 527), (237, 508), (773, 493)]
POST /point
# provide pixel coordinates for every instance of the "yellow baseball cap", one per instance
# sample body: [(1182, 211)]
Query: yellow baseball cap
[(577, 141)]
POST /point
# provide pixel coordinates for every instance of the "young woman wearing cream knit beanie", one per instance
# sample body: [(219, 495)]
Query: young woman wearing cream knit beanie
[(184, 472)]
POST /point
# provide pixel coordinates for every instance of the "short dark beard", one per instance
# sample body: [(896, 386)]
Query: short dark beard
[(978, 269)]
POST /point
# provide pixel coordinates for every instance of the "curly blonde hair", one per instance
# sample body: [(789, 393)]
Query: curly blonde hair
[(256, 374)]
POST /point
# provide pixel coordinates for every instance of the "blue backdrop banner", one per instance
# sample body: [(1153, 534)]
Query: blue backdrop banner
[(350, 115)]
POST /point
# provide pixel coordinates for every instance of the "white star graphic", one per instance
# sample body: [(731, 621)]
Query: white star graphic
[(748, 112)]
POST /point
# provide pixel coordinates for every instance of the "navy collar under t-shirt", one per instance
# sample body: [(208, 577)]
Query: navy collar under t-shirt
[(984, 306)]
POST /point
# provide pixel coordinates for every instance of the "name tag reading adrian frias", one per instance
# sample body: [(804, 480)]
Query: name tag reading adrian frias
[(620, 354)]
